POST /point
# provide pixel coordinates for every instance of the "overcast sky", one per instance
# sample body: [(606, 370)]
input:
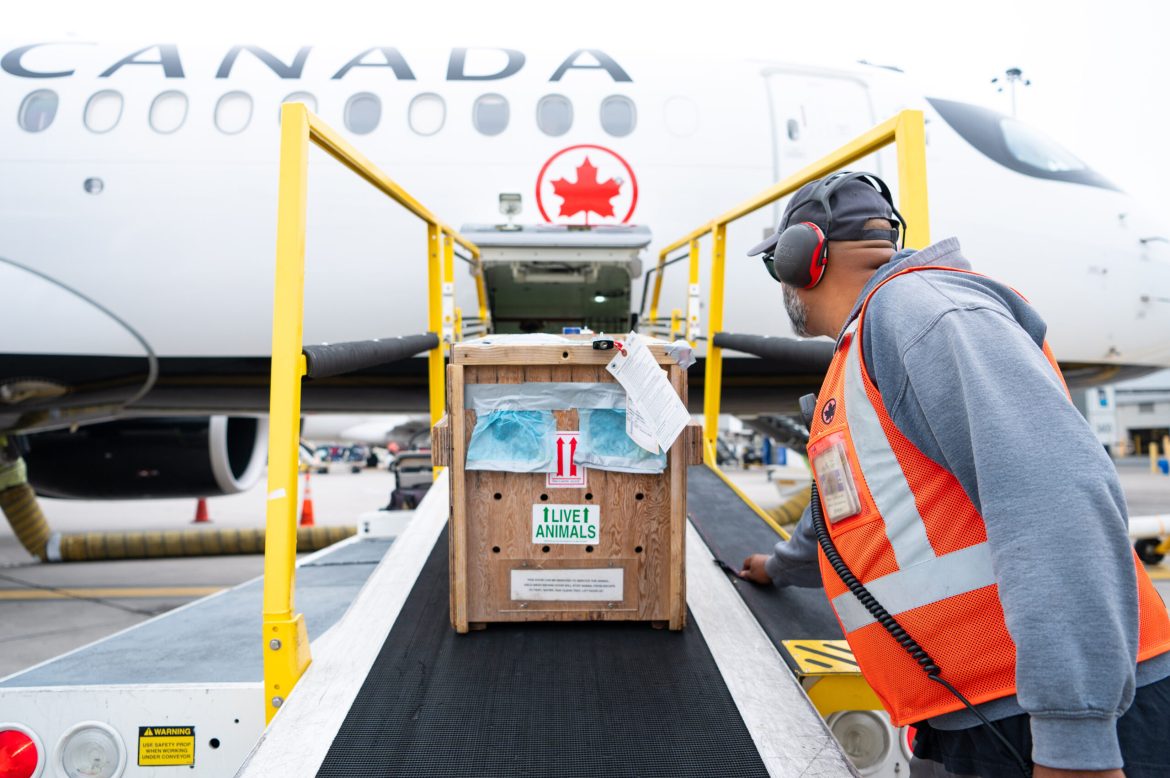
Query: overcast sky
[(1100, 70)]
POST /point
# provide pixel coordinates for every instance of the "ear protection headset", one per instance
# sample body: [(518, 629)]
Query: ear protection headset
[(802, 250)]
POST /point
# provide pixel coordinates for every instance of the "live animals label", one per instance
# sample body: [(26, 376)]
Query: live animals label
[(166, 746), (602, 584), (579, 524)]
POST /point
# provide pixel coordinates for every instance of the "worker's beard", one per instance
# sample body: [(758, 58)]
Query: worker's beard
[(797, 312)]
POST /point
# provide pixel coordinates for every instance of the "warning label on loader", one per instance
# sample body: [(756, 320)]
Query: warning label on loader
[(166, 746)]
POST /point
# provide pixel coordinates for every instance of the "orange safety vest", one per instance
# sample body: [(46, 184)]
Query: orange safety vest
[(910, 534)]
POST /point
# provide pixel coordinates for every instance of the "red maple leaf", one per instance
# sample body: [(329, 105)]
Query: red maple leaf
[(586, 193)]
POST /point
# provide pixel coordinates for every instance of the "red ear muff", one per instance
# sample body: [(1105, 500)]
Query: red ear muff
[(800, 255)]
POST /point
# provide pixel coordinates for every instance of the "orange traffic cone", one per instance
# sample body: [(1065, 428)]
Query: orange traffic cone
[(307, 505), (201, 515)]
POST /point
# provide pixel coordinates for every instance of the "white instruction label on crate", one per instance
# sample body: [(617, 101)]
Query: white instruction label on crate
[(574, 585), (580, 524)]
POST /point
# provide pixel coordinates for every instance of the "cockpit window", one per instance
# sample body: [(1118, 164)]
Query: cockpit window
[(1034, 148), (1016, 145)]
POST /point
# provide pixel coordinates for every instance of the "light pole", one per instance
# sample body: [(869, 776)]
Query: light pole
[(1011, 76)]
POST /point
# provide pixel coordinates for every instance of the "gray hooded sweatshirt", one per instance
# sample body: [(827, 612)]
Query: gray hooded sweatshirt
[(958, 362)]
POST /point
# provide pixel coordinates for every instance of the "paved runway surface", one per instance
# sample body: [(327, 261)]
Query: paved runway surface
[(46, 610)]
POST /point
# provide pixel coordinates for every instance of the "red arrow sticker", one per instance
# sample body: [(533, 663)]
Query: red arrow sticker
[(568, 474)]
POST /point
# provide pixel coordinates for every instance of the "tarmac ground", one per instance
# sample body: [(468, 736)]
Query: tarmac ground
[(49, 609)]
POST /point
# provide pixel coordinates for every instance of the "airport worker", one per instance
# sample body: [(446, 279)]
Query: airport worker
[(961, 494)]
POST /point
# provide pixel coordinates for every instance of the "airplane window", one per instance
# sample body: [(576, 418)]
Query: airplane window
[(299, 97), (168, 111), (363, 111), (554, 115), (1015, 145), (490, 114), (103, 110), (233, 112), (427, 114), (618, 115), (37, 110), (681, 116)]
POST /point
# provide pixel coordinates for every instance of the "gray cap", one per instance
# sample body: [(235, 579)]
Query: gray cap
[(853, 203)]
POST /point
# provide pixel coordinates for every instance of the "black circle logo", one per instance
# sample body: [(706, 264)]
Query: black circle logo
[(829, 411)]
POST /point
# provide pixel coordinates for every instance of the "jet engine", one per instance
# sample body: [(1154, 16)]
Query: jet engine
[(182, 456)]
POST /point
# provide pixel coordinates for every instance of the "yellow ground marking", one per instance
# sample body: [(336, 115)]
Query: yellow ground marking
[(107, 592)]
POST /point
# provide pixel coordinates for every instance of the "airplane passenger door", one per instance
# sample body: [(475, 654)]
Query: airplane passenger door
[(812, 114)]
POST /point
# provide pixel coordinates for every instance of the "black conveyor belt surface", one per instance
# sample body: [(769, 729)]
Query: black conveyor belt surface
[(733, 532), (538, 699)]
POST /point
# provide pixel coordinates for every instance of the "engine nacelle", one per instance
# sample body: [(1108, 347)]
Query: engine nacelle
[(184, 456)]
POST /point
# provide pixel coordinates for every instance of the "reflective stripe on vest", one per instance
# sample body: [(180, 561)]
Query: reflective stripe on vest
[(887, 483), (940, 577)]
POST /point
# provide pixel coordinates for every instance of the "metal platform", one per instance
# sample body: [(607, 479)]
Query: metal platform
[(407, 696)]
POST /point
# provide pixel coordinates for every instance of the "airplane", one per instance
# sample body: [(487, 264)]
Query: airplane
[(137, 225)]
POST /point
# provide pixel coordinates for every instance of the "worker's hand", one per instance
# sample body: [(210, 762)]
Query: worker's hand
[(1040, 771), (753, 569)]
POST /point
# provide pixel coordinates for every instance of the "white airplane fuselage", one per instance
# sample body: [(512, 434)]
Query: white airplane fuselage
[(173, 232)]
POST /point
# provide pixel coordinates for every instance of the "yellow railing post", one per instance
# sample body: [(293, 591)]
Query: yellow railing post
[(713, 378), (910, 143), (481, 295), (694, 301), (435, 323), (448, 333), (285, 640), (657, 289), (675, 323)]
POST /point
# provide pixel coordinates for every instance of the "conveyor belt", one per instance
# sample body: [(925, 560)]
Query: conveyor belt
[(733, 532), (538, 699)]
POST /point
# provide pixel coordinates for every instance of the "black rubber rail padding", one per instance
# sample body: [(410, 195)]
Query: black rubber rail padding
[(813, 355), (339, 358)]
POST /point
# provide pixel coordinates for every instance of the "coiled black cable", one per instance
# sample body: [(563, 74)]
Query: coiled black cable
[(891, 625)]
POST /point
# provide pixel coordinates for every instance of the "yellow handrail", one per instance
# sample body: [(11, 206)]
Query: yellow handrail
[(906, 130), (285, 639)]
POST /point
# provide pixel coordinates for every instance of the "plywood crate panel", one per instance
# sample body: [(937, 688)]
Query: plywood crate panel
[(642, 516)]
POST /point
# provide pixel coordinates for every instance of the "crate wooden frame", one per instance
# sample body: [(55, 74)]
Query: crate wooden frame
[(646, 536)]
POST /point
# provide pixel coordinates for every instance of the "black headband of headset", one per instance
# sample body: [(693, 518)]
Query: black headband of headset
[(831, 184)]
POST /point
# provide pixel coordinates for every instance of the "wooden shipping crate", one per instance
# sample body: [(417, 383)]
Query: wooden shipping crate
[(498, 571)]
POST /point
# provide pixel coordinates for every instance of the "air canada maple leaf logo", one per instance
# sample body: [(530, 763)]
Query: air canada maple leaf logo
[(587, 193), (586, 184)]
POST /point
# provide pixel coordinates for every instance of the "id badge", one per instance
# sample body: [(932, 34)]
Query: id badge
[(835, 481)]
